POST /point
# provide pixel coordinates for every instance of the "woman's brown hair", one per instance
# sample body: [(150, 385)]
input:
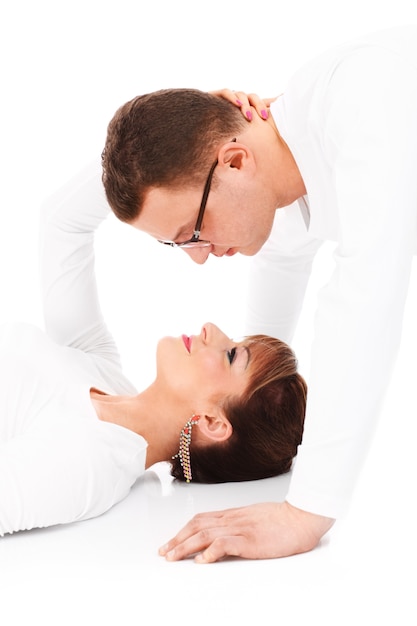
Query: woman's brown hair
[(267, 421)]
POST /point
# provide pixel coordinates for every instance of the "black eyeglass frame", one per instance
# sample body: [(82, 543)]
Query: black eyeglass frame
[(195, 241)]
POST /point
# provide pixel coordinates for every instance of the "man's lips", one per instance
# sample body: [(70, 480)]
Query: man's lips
[(187, 342)]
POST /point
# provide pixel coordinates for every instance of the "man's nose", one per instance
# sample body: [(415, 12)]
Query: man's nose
[(198, 255)]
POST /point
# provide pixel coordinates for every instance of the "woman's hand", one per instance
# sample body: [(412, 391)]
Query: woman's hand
[(258, 531), (246, 102)]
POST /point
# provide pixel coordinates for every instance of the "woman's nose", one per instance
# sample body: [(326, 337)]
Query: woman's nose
[(212, 335)]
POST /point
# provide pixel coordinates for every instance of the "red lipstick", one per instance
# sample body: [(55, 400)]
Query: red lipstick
[(187, 342)]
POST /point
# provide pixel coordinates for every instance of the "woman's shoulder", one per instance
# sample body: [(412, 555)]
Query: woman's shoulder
[(21, 333)]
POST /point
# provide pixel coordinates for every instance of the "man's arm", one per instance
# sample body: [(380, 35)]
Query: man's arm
[(371, 143), (279, 275)]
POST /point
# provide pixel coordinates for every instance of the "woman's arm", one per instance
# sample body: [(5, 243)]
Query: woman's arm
[(69, 219)]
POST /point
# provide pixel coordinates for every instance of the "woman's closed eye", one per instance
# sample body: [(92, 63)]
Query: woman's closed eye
[(231, 355)]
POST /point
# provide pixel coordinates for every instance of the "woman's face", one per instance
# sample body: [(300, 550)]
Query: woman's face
[(204, 367)]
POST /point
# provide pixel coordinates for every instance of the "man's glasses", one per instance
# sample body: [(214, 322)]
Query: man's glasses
[(195, 241)]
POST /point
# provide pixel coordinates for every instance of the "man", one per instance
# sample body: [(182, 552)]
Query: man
[(339, 151)]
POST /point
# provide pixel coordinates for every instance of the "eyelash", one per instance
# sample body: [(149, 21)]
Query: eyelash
[(231, 355)]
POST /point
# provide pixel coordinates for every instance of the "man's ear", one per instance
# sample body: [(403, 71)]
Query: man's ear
[(234, 154), (214, 428)]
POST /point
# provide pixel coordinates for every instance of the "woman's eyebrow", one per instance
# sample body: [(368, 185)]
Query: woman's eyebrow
[(248, 354)]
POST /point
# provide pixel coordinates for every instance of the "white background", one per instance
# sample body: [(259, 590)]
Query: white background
[(65, 68)]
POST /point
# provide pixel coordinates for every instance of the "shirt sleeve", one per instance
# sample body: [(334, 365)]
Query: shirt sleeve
[(71, 308), (370, 138), (279, 276)]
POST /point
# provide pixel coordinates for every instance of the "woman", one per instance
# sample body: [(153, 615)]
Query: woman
[(74, 432)]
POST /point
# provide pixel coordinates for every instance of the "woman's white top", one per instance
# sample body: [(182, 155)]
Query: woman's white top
[(59, 462)]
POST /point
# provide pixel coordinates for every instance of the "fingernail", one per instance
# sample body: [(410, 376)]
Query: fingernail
[(199, 558), (238, 102), (264, 114), (249, 115), (170, 555)]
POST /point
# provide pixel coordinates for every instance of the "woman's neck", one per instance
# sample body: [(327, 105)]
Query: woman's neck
[(143, 414)]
